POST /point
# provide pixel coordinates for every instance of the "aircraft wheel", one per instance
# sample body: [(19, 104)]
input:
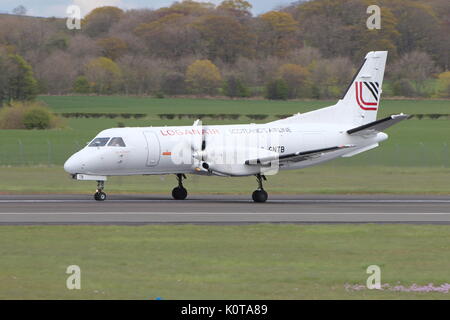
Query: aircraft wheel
[(100, 196), (179, 193), (260, 196)]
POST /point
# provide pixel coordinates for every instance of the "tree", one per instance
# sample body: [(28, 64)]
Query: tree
[(417, 25), (104, 74), (277, 33), (58, 41), (375, 40), (20, 10), (441, 51), (57, 72), (247, 70), (297, 79), (189, 7), (141, 74), (277, 90), (17, 78), (100, 20), (82, 46), (236, 7), (330, 77), (37, 118), (154, 48), (338, 28), (203, 77), (304, 56), (174, 83), (81, 85), (404, 88), (234, 88), (414, 68), (112, 47), (171, 36), (28, 115), (444, 85), (11, 117), (225, 38), (4, 75)]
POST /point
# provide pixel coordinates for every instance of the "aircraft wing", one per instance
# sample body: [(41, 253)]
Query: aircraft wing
[(377, 126), (296, 157)]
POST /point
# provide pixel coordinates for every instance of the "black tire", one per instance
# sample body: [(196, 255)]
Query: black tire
[(260, 196), (179, 193), (100, 196)]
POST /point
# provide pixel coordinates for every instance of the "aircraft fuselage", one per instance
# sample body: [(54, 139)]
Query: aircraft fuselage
[(156, 150)]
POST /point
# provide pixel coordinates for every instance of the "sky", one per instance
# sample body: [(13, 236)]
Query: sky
[(57, 8)]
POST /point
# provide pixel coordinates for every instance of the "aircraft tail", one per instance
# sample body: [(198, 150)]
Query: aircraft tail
[(360, 102), (362, 98)]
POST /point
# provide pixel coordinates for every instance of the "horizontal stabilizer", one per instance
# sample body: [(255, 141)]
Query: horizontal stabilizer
[(378, 126), (296, 157)]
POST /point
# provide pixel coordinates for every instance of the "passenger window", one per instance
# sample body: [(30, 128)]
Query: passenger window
[(99, 142), (116, 142)]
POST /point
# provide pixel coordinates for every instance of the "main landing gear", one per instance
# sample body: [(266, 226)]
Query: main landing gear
[(180, 193), (99, 194), (260, 195)]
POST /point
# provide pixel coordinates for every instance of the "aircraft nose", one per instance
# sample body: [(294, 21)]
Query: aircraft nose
[(73, 165)]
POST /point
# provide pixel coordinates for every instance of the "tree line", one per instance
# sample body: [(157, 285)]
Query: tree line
[(309, 49)]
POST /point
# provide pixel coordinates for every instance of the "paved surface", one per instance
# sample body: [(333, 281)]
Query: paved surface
[(218, 209)]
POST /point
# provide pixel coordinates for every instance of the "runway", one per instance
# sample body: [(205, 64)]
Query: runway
[(220, 209)]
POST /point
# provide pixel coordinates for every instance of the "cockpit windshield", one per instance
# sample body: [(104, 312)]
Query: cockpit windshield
[(99, 142), (116, 142)]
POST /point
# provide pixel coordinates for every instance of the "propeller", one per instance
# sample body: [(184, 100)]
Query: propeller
[(198, 147)]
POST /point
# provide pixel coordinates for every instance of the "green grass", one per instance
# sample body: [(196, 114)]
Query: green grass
[(321, 179), (227, 262), (155, 106)]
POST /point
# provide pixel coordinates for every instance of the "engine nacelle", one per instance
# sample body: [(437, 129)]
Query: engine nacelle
[(230, 161)]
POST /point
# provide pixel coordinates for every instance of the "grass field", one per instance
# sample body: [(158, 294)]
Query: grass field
[(228, 262), (316, 180)]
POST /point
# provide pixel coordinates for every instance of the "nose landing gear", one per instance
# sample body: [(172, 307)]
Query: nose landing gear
[(260, 195), (99, 194), (180, 193)]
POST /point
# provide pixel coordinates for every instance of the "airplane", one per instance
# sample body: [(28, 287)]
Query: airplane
[(345, 129)]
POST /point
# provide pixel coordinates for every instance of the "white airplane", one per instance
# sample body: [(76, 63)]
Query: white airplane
[(345, 129)]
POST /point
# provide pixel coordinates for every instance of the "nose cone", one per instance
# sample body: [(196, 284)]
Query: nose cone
[(73, 164)]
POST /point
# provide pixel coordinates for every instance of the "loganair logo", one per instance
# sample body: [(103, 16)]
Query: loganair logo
[(373, 88)]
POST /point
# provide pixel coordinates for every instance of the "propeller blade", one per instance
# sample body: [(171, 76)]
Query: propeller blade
[(197, 140), (198, 146)]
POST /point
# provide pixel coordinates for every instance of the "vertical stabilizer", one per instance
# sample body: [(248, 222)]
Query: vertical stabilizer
[(361, 101)]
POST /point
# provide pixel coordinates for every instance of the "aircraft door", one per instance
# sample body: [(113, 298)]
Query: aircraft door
[(153, 148)]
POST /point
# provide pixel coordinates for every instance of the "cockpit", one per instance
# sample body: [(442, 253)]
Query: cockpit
[(107, 152), (110, 142)]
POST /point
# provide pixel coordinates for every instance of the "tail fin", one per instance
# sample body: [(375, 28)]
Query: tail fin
[(361, 101)]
